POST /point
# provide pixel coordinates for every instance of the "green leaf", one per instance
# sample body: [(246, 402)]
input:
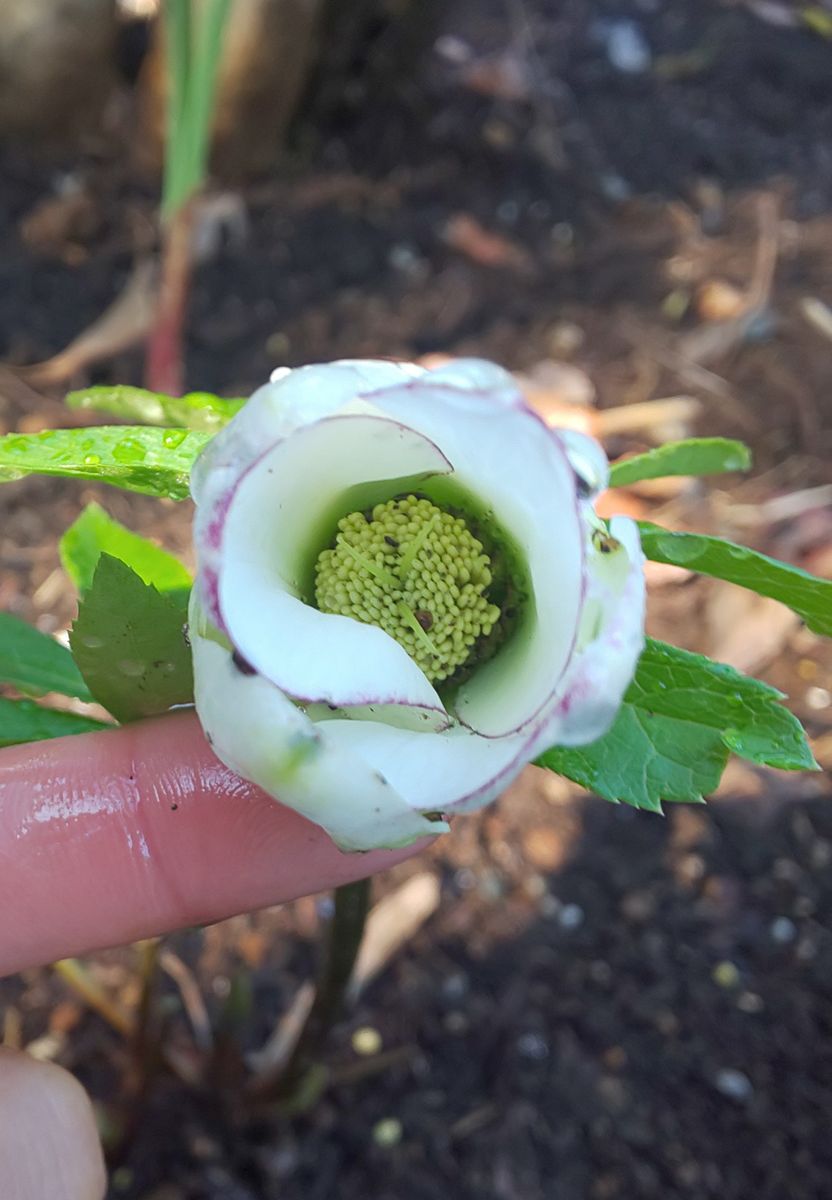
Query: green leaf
[(95, 533), (694, 456), (807, 595), (35, 663), (25, 721), (129, 642), (154, 461), (643, 760), (681, 716), (198, 410)]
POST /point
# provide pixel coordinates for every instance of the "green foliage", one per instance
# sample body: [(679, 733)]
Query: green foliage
[(35, 663), (95, 533), (25, 721), (807, 595), (680, 718), (197, 410), (193, 41), (129, 643), (694, 456), (154, 461)]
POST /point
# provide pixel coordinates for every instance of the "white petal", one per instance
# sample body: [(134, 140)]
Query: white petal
[(454, 771), (292, 400), (507, 457), (277, 510), (257, 732), (603, 667), (588, 461)]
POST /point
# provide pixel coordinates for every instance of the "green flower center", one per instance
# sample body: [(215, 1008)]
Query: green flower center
[(417, 572)]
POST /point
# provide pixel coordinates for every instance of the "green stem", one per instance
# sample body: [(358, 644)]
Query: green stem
[(340, 950)]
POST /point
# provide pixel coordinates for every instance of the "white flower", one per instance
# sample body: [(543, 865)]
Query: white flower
[(513, 619)]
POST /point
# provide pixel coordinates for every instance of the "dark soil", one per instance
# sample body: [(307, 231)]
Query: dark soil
[(606, 1004)]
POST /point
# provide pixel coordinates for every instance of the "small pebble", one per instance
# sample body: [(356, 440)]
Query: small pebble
[(626, 46), (725, 975), (818, 697), (783, 930), (387, 1132), (533, 1046), (571, 916), (750, 1002), (734, 1084), (456, 1022), (366, 1041)]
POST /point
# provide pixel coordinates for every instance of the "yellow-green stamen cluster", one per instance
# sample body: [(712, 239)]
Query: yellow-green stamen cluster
[(418, 573)]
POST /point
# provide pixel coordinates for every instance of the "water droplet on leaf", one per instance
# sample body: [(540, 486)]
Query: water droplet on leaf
[(131, 667)]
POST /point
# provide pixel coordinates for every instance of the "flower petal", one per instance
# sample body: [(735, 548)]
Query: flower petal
[(506, 456), (259, 733), (610, 642), (289, 401), (273, 518), (454, 771)]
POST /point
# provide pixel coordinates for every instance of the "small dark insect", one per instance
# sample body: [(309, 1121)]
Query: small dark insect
[(424, 618), (603, 543), (391, 541)]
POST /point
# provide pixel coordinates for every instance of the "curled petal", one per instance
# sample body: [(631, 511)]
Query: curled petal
[(610, 641), (291, 400), (503, 454), (588, 461), (259, 733), (275, 514), (452, 771)]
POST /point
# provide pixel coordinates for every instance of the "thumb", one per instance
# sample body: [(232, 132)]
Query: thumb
[(48, 1141)]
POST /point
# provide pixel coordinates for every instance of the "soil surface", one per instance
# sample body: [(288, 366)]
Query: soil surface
[(624, 202)]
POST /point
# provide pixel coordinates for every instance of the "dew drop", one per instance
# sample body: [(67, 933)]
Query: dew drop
[(131, 667), (129, 449), (174, 438), (91, 460), (682, 550)]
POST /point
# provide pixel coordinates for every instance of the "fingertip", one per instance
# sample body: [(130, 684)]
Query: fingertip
[(109, 837), (49, 1144)]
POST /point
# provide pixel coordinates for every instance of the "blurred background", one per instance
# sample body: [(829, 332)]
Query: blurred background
[(628, 203)]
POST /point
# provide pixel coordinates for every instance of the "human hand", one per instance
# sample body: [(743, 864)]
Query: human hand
[(109, 837)]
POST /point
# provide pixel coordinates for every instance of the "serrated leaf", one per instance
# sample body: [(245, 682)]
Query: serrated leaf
[(95, 533), (197, 410), (681, 716), (693, 456), (156, 462), (33, 662), (24, 721), (644, 760), (746, 712), (807, 595), (129, 643)]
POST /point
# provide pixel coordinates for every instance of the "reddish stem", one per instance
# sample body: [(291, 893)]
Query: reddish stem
[(165, 359)]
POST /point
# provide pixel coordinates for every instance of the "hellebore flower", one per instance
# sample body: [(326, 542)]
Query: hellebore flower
[(404, 594)]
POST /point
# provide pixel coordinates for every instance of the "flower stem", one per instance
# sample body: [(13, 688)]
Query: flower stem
[(340, 950)]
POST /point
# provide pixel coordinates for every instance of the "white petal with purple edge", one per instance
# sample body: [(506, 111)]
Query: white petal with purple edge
[(603, 667), (259, 733), (271, 524), (505, 456)]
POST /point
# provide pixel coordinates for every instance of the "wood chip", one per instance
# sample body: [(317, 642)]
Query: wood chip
[(391, 924)]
